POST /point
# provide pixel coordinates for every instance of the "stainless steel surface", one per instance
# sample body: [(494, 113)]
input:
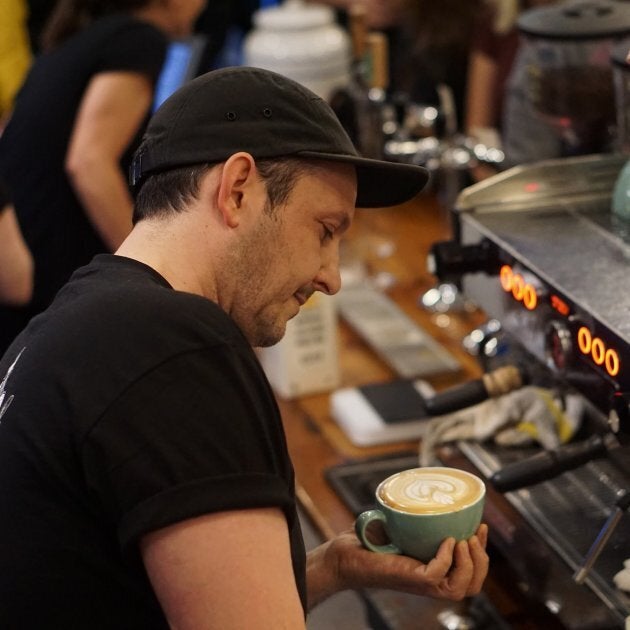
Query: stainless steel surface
[(568, 513), (552, 223)]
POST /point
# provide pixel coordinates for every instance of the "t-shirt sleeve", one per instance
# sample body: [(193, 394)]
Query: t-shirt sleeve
[(198, 434), (135, 47)]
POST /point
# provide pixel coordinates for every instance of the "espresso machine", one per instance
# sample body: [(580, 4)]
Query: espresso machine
[(539, 250)]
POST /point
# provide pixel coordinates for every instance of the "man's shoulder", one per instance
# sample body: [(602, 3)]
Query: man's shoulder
[(120, 298)]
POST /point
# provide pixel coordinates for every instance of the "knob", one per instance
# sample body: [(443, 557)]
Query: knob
[(559, 345), (476, 341)]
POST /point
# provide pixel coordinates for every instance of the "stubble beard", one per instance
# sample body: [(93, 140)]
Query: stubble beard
[(250, 263)]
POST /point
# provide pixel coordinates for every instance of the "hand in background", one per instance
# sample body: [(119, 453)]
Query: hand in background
[(379, 14)]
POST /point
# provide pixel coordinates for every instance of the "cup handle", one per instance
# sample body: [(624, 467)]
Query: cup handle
[(360, 527)]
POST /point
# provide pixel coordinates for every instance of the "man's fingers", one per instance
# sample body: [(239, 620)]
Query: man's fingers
[(443, 558), (480, 560), (461, 576), (482, 535)]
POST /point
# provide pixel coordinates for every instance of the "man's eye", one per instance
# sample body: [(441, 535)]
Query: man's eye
[(327, 233)]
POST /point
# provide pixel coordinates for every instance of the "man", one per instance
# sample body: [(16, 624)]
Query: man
[(144, 475)]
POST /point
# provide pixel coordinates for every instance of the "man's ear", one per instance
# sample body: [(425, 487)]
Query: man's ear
[(238, 186)]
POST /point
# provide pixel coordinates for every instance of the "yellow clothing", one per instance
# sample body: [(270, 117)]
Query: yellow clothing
[(15, 52)]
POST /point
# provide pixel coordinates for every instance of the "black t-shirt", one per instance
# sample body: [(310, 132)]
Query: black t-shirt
[(125, 407), (4, 195), (35, 142)]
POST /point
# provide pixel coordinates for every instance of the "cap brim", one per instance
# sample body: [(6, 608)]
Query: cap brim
[(379, 183)]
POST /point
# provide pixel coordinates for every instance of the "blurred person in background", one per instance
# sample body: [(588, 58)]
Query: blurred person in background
[(15, 53), (497, 111), (429, 46), (79, 116), (38, 13), (16, 262), (434, 49)]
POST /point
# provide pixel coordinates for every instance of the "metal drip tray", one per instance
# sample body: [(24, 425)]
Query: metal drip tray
[(565, 514), (568, 512)]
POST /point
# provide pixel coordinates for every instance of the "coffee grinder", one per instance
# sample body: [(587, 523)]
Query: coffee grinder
[(568, 74)]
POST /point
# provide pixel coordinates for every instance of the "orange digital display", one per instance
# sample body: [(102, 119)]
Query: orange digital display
[(530, 297), (599, 353), (505, 276), (521, 290), (592, 347), (559, 305)]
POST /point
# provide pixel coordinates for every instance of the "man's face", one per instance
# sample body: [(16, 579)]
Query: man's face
[(291, 251)]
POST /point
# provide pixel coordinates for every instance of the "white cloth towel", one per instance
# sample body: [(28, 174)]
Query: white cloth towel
[(526, 415), (622, 579)]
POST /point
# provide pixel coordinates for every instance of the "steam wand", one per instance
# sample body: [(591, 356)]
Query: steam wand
[(621, 506)]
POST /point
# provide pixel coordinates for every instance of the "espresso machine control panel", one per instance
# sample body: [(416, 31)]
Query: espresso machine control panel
[(538, 249), (551, 264)]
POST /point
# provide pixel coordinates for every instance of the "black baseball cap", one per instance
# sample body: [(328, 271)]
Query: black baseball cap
[(267, 115)]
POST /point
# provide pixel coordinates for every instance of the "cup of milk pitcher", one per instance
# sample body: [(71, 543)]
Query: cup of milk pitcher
[(420, 507)]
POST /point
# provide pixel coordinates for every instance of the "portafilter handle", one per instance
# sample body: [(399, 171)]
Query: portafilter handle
[(548, 464), (491, 384)]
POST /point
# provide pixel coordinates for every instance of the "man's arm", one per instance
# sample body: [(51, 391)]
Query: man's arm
[(233, 570), (228, 571)]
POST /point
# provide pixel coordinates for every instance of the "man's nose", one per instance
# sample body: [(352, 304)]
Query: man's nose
[(328, 278)]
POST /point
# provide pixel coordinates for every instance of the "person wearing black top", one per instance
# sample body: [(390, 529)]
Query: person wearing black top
[(77, 119), (16, 262), (145, 480)]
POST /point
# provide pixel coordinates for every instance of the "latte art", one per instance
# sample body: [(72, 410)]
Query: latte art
[(430, 490)]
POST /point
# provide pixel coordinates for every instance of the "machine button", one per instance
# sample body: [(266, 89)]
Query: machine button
[(558, 345)]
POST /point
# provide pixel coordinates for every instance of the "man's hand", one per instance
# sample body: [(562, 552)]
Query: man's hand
[(457, 571)]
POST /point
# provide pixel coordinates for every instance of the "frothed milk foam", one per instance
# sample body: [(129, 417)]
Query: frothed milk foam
[(430, 490)]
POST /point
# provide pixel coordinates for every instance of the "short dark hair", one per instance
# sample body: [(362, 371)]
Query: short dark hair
[(168, 192)]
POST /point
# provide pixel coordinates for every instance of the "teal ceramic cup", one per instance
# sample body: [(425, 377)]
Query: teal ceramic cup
[(421, 507)]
